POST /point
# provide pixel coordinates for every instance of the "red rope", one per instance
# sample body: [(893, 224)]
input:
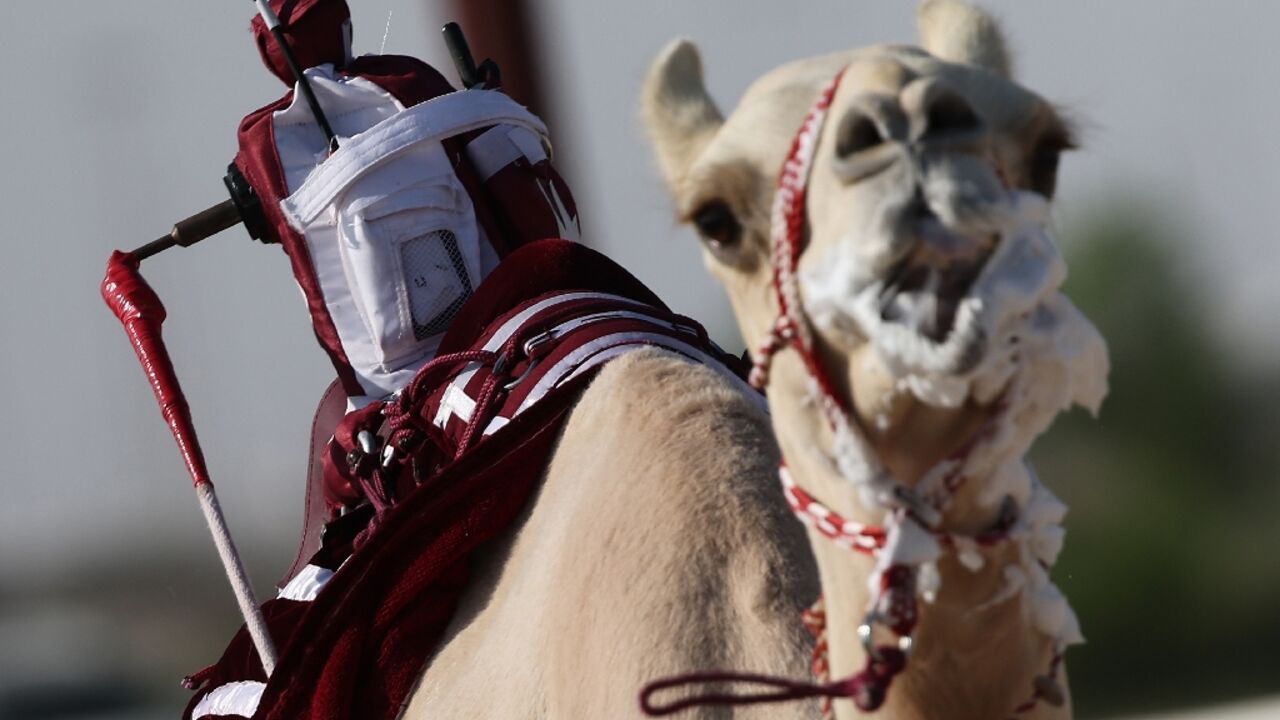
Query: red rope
[(830, 524), (783, 690), (867, 689), (486, 400), (404, 431), (815, 621), (141, 313)]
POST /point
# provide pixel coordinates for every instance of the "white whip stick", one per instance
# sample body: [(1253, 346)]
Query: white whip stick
[(141, 313)]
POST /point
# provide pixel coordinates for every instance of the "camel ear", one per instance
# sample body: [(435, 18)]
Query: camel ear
[(956, 31), (679, 114)]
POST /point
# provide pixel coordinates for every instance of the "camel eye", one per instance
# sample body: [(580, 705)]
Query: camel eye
[(1042, 174), (718, 226)]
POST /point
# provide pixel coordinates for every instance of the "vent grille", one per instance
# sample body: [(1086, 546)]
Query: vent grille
[(436, 280)]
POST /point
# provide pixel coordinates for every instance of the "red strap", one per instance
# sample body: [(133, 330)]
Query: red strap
[(332, 407), (140, 311)]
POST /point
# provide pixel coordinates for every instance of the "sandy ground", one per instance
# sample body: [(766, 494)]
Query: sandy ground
[(1264, 709)]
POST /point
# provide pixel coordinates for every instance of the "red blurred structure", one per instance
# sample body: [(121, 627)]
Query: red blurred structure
[(502, 30)]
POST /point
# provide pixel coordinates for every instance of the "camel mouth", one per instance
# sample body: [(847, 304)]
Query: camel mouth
[(944, 312), (925, 298)]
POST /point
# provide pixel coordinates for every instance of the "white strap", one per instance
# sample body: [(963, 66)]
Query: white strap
[(509, 328), (236, 698), (307, 584), (438, 118), (501, 146)]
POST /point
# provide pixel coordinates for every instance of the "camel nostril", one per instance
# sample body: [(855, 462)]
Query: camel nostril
[(950, 114), (857, 132), (918, 208)]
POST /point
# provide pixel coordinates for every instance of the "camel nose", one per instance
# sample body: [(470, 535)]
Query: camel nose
[(877, 131), (869, 136), (938, 113)]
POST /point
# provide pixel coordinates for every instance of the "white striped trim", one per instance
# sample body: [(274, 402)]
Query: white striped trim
[(508, 328), (455, 401), (236, 698), (609, 346), (575, 323), (504, 333), (496, 424), (307, 584), (501, 146)]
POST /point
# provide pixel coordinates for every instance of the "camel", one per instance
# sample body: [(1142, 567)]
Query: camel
[(914, 349), (660, 541)]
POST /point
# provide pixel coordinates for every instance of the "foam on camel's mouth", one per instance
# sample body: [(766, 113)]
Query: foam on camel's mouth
[(925, 298), (947, 313)]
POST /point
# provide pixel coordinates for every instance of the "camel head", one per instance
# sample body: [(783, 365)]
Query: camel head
[(918, 277)]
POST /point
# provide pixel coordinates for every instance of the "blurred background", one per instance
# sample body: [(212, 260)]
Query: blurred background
[(116, 119)]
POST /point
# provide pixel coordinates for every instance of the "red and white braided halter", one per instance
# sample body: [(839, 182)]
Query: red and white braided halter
[(895, 605)]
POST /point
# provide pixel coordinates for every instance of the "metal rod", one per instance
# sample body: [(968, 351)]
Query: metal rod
[(463, 60), (273, 24), (192, 230)]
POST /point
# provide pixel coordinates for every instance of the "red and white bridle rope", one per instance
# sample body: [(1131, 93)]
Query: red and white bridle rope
[(847, 534), (894, 606)]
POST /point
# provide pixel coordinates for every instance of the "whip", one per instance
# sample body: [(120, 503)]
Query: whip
[(141, 313), (273, 24)]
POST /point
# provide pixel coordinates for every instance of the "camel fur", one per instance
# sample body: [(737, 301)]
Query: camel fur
[(658, 543)]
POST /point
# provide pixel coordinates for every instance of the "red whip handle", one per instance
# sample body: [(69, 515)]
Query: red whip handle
[(141, 313)]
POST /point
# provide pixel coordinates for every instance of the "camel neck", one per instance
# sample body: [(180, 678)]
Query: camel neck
[(969, 653), (973, 641)]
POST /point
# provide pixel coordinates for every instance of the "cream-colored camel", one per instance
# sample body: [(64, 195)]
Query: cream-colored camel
[(930, 292), (657, 543)]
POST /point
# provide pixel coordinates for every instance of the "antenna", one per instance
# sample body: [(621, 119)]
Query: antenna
[(485, 75), (273, 24)]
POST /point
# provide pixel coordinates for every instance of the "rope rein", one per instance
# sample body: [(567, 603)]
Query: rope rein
[(376, 466)]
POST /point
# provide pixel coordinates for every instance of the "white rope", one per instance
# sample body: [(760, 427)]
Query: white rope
[(236, 575)]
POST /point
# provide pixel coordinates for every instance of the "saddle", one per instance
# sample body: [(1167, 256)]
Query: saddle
[(357, 623)]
